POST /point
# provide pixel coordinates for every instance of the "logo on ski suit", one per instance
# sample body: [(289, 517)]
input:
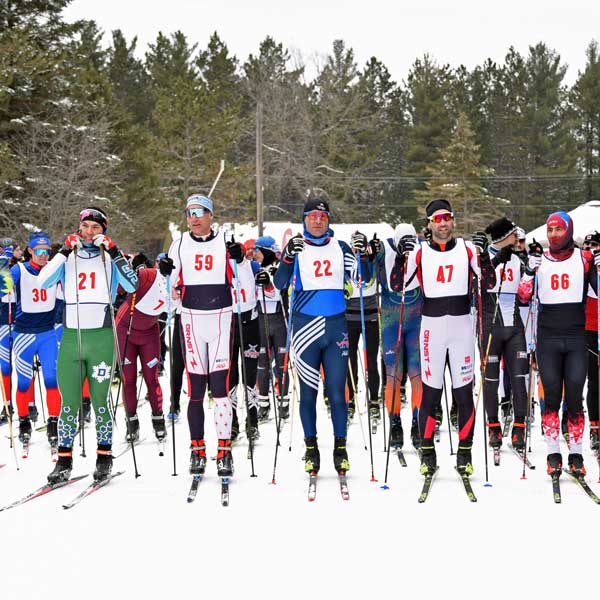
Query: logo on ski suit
[(101, 372)]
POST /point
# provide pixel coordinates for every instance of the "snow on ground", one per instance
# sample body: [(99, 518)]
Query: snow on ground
[(138, 538)]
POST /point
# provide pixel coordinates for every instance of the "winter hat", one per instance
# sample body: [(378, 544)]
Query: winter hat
[(520, 233), (7, 242), (316, 204), (500, 229), (565, 241), (96, 215), (435, 205), (403, 229), (266, 242), (593, 237), (248, 245), (39, 238), (200, 200)]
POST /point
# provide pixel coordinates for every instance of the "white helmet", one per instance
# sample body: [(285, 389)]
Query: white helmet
[(403, 229)]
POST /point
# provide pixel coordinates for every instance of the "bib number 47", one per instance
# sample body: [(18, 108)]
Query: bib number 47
[(444, 274)]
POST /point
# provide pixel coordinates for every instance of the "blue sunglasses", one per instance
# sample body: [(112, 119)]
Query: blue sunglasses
[(41, 252)]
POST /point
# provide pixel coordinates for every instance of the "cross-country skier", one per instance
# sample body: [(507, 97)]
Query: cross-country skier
[(445, 267), (266, 251), (563, 273), (138, 334), (90, 281), (203, 273), (34, 334), (503, 331), (409, 354), (319, 267)]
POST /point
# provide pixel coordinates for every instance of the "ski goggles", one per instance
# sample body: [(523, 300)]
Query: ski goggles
[(441, 218), (315, 215), (93, 215), (195, 212), (41, 251)]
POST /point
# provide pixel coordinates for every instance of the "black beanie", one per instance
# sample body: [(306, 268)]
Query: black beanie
[(316, 204), (439, 204), (96, 215), (592, 237), (500, 229)]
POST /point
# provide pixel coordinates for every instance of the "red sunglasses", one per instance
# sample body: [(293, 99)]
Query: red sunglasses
[(443, 217)]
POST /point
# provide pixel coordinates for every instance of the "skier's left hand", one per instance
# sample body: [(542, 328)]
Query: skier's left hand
[(236, 251), (374, 247), (103, 240), (480, 241), (165, 266), (358, 242)]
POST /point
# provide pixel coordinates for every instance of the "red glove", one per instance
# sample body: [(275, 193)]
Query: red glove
[(103, 240), (73, 241)]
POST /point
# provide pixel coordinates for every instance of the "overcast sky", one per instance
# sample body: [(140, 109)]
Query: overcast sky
[(396, 32)]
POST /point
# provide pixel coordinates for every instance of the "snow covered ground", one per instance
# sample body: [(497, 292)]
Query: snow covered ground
[(138, 538)]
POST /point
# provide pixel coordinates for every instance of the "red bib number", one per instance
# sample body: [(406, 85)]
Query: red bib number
[(83, 281), (559, 281), (203, 261), (322, 269), (444, 274), (39, 295)]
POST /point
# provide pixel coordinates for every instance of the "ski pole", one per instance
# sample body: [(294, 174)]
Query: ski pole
[(80, 356), (242, 349), (131, 311), (286, 356), (170, 334), (10, 421), (447, 408), (532, 349), (117, 353), (364, 343), (294, 382), (39, 381)]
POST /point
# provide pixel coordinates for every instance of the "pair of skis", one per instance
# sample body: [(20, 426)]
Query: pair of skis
[(579, 479), (429, 481), (312, 486), (197, 479), (520, 454)]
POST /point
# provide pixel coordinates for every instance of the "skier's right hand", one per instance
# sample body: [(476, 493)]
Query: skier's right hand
[(262, 278), (502, 256), (533, 263), (165, 266), (535, 248), (294, 246), (406, 244), (71, 242)]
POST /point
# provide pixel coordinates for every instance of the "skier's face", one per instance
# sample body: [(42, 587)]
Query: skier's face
[(317, 222), (40, 255), (199, 220), (88, 229), (441, 224)]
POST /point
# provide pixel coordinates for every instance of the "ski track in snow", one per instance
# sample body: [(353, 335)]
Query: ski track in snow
[(141, 537)]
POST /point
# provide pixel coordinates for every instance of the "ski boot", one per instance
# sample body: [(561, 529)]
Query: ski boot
[(340, 455), (506, 408), (104, 461), (312, 458), (24, 430), (402, 394), (63, 467), (52, 431), (595, 436), (284, 408), (439, 416), (235, 426), (133, 429), (328, 405), (415, 434), (463, 460), (252, 432), (576, 467), (198, 457), (564, 426), (264, 408), (351, 410), (554, 464), (428, 458), (224, 459), (396, 432), (518, 436), (33, 413), (494, 434), (86, 412), (158, 424), (375, 415), (454, 416), (4, 415), (173, 414)]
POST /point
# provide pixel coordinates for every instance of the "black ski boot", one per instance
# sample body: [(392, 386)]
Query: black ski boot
[(33, 413), (264, 408), (284, 408), (340, 455), (396, 432), (374, 410), (428, 459), (224, 459), (595, 435), (133, 429), (454, 416), (104, 461), (24, 429), (464, 462), (63, 466), (351, 410), (312, 458), (576, 465), (4, 415), (564, 426), (160, 429), (403, 394), (252, 432), (554, 464), (52, 431), (86, 413), (518, 436), (415, 434), (494, 434), (198, 457)]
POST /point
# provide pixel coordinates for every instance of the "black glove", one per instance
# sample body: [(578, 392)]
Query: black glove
[(374, 247), (535, 248), (294, 246), (272, 270), (426, 233), (262, 278), (358, 241), (166, 266), (406, 244), (502, 256), (480, 241), (236, 251)]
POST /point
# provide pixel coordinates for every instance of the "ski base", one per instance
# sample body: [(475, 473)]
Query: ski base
[(312, 487), (400, 456), (343, 485), (90, 489), (427, 486), (224, 491), (194, 488), (583, 484), (467, 485)]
